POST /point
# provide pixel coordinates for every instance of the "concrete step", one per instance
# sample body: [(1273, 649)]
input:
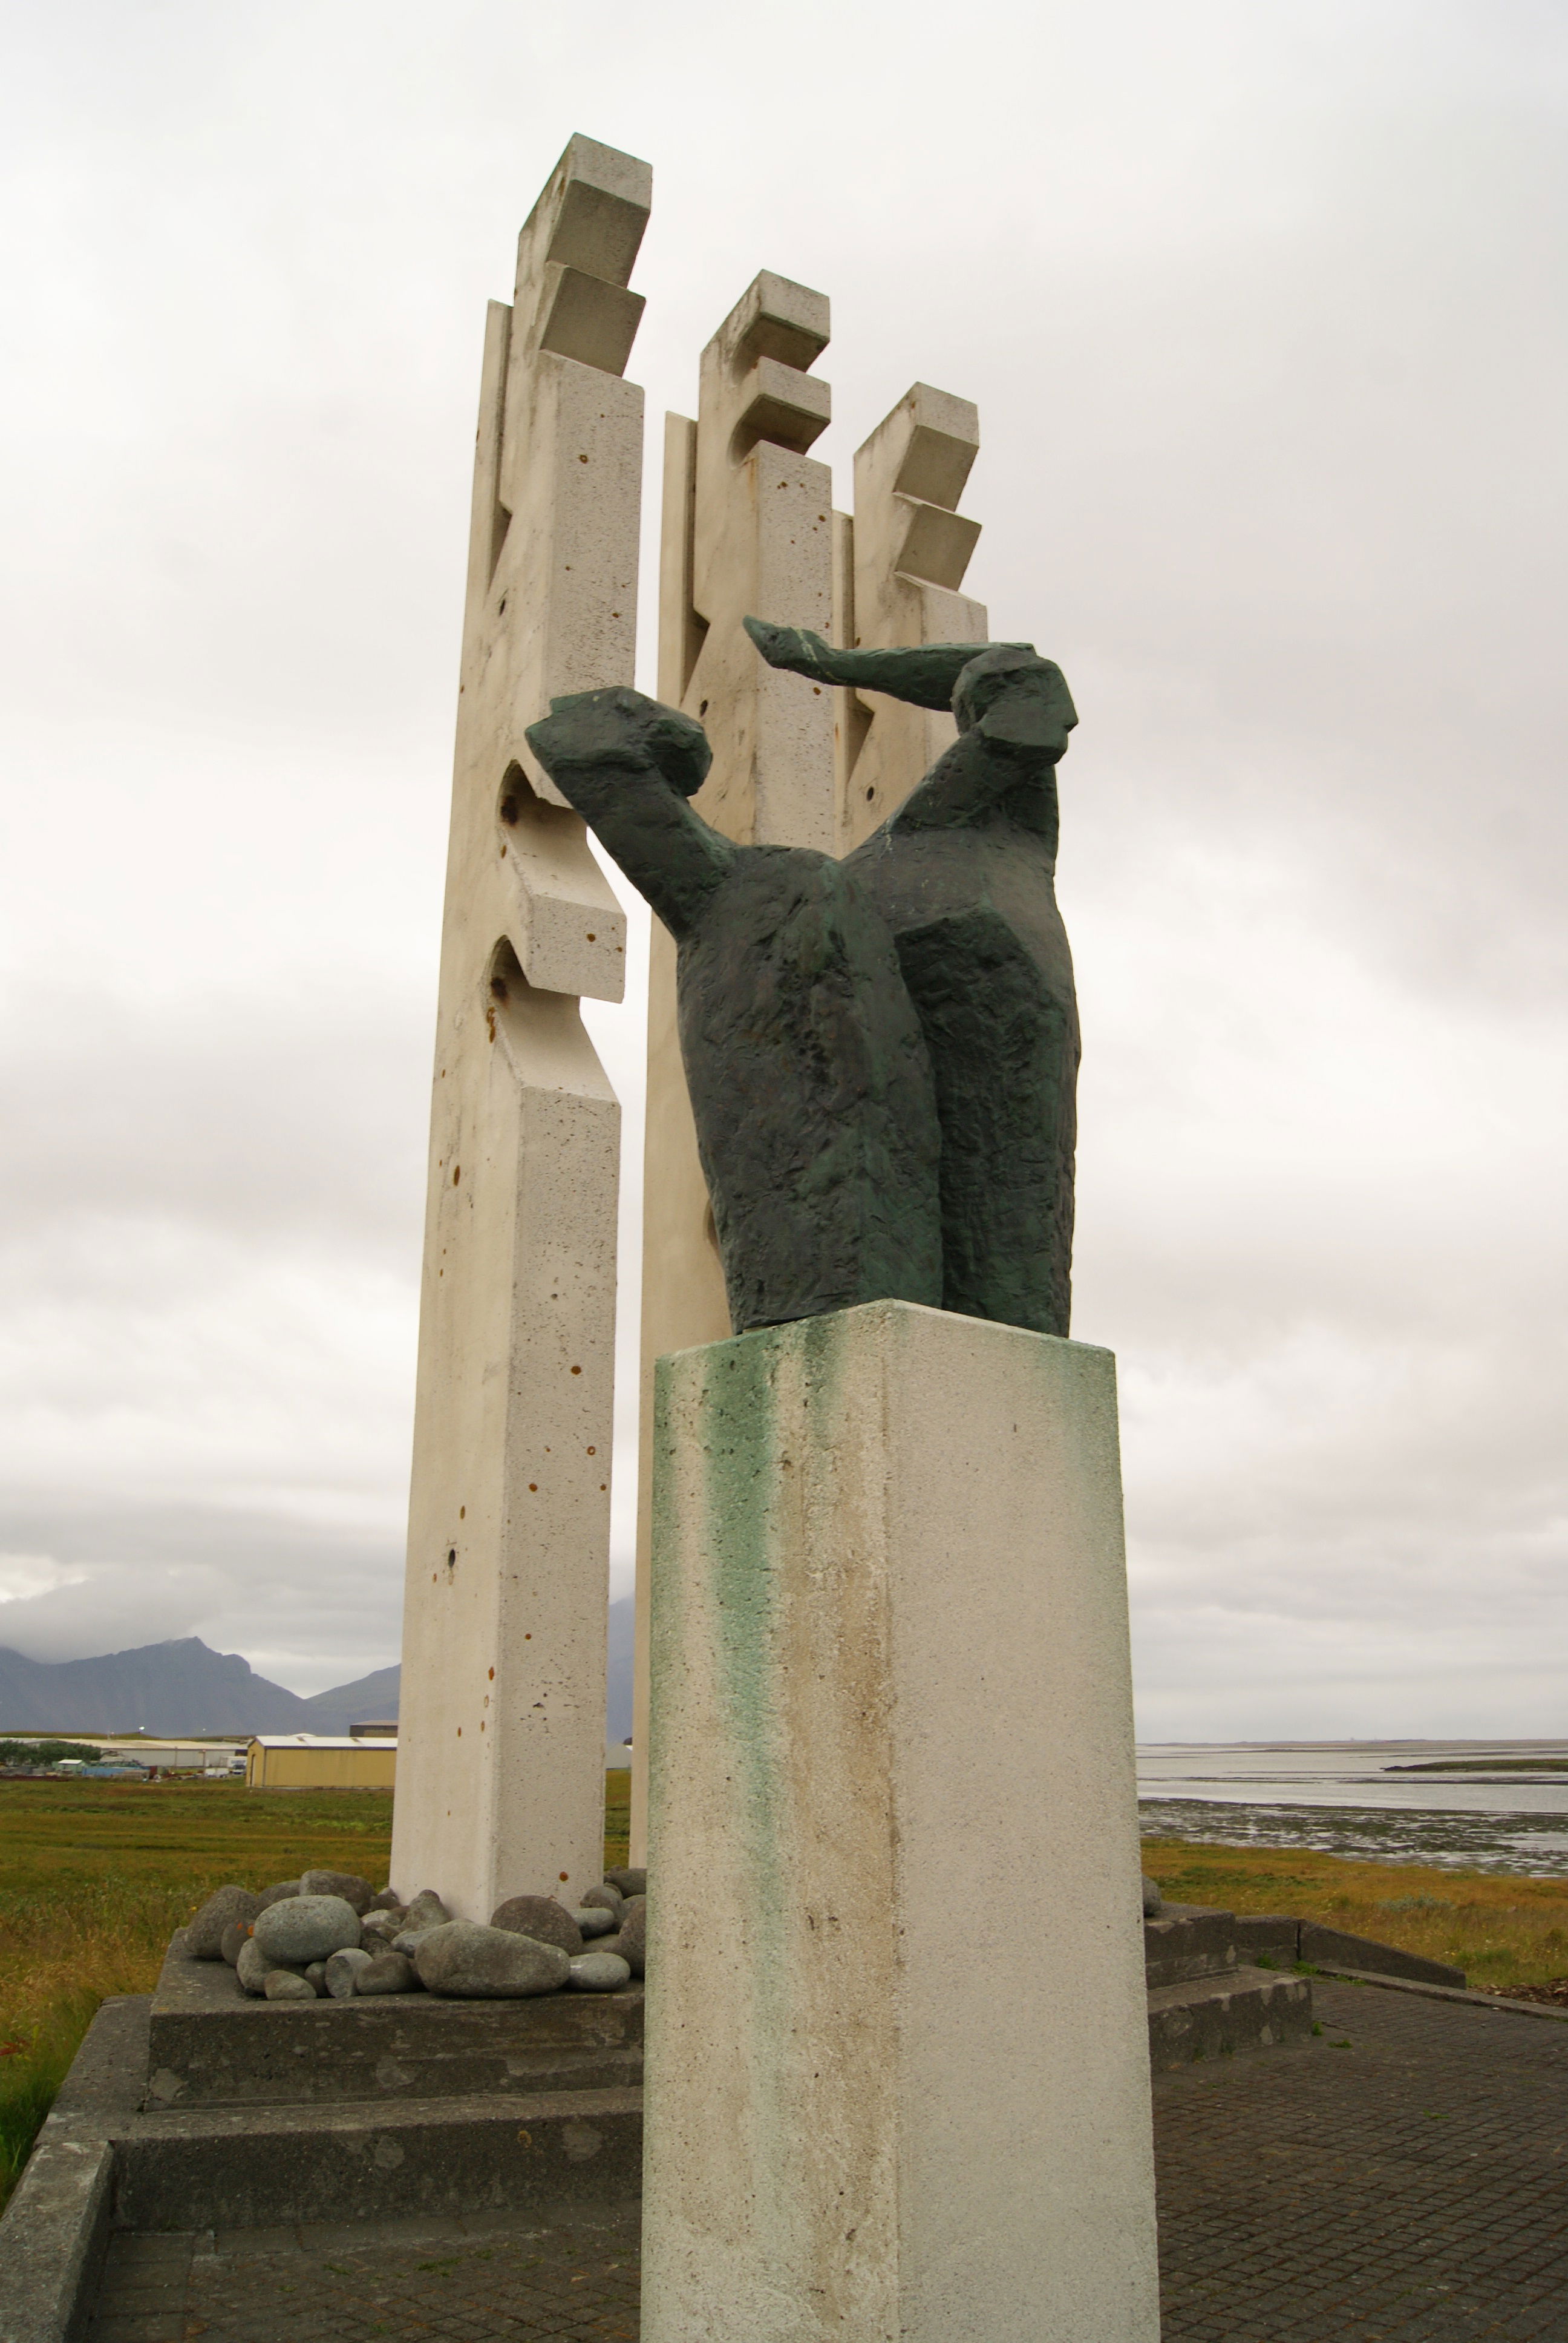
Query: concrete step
[(265, 2167), (1188, 1940), (1210, 2017), (212, 2045)]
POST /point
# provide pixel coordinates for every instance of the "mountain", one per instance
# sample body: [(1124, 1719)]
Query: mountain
[(371, 1699), (176, 1687), (183, 1687)]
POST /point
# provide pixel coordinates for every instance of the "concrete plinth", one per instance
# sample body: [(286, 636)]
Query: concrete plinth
[(897, 2061)]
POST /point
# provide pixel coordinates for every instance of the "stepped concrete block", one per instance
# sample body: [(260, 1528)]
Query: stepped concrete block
[(258, 2167), (1188, 1940), (209, 2046), (1331, 1948), (1208, 2017), (1266, 1933)]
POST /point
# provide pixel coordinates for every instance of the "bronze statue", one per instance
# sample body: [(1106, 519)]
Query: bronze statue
[(881, 1052)]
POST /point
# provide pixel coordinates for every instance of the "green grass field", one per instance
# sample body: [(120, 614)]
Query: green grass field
[(95, 1876)]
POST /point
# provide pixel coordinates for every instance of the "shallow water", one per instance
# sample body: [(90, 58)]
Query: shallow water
[(1507, 1811)]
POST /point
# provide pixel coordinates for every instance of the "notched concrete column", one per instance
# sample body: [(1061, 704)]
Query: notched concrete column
[(500, 1770), (898, 2080), (748, 528), (901, 564)]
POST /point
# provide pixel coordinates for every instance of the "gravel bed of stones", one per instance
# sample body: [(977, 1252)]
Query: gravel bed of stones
[(329, 1936)]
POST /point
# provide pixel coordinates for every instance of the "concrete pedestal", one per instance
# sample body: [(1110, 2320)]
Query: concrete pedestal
[(897, 2057)]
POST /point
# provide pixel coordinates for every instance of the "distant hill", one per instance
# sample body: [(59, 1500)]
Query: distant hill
[(177, 1688), (185, 1687)]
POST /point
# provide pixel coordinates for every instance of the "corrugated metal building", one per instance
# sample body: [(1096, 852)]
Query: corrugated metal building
[(313, 1761)]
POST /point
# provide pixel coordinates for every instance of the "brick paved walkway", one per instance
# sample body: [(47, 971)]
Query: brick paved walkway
[(1401, 2179)]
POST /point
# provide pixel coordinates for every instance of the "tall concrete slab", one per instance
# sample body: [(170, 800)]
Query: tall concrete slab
[(500, 1773), (897, 2054), (745, 530), (747, 526)]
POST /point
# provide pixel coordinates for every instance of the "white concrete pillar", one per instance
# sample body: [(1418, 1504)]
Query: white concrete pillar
[(898, 2076), (747, 527), (901, 563), (500, 1766)]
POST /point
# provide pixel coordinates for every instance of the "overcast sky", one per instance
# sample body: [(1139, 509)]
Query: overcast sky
[(1263, 308)]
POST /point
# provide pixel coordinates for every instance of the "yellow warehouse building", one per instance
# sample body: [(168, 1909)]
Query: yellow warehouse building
[(309, 1761)]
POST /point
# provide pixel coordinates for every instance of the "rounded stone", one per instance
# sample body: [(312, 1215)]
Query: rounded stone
[(1152, 1899), (343, 1972), (387, 1900), (540, 1918), (605, 1899), (408, 1940), (632, 1942), (236, 1933), (426, 1910), (386, 1972), (632, 1881), (487, 1963), (347, 1884), (252, 1966), (274, 1894), (380, 1928), (306, 1929), (315, 1971), (223, 1906), (593, 1920), (287, 1985), (599, 1973)]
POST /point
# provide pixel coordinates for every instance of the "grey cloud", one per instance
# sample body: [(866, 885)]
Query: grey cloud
[(1262, 311)]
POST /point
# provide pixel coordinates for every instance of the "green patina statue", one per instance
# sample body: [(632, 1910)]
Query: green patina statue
[(881, 1052)]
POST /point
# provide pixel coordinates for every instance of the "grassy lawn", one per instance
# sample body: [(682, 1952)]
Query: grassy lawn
[(1501, 1930), (96, 1876)]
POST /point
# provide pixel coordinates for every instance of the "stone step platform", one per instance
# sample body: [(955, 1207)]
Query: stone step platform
[(211, 2045), (1213, 2016), (260, 2167)]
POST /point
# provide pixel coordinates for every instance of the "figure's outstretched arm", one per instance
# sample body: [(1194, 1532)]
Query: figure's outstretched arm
[(628, 765), (925, 673)]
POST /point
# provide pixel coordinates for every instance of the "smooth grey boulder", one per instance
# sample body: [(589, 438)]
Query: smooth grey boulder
[(381, 1927), (605, 1899), (632, 1881), (276, 1894), (593, 1920), (347, 1884), (427, 1911), (223, 1906), (487, 1963), (540, 1918), (315, 1974), (387, 1900), (599, 1973), (236, 1933), (1152, 1899), (386, 1972), (252, 1966), (631, 1944), (287, 1985), (306, 1929), (343, 1972)]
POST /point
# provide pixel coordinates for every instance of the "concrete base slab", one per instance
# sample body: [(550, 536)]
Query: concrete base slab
[(217, 2168), (1208, 2017), (209, 2045)]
